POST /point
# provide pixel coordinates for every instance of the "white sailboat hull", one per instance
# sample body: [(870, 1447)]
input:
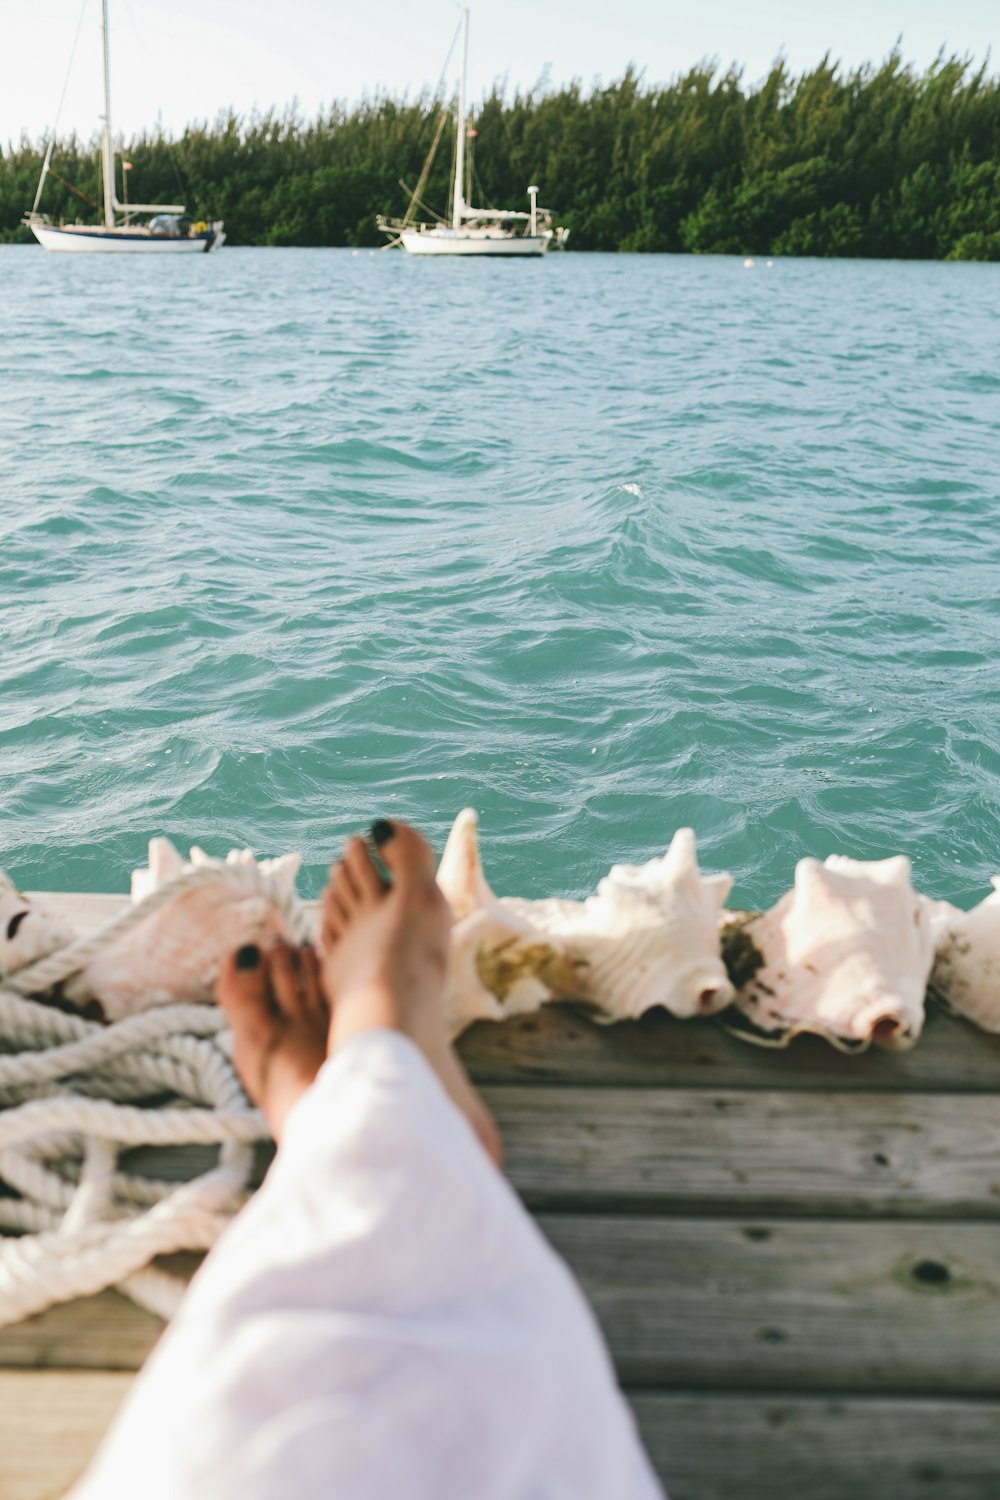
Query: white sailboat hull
[(475, 242), (90, 240), (472, 231)]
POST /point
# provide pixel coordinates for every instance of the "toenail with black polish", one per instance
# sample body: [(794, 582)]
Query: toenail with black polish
[(248, 957), (381, 832)]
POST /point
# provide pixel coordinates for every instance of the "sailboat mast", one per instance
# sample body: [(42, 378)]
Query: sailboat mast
[(459, 200), (109, 161)]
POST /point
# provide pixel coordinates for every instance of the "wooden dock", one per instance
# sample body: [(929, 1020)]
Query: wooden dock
[(795, 1257)]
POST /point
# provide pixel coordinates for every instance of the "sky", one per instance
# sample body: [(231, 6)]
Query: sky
[(178, 61)]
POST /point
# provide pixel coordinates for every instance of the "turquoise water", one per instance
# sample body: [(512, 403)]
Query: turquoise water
[(600, 546)]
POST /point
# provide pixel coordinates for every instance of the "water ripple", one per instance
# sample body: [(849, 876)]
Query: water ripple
[(601, 546)]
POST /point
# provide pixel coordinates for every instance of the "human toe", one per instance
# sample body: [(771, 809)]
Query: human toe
[(342, 886), (408, 855), (243, 991), (287, 984), (242, 988), (335, 916), (313, 995), (357, 862)]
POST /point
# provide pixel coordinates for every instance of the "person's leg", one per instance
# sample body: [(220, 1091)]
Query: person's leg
[(383, 1319)]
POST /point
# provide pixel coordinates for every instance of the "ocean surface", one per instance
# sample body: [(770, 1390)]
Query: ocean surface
[(600, 546)]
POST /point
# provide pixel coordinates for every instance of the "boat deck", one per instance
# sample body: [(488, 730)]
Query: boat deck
[(795, 1257)]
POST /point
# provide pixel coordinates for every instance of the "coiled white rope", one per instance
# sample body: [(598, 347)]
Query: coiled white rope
[(74, 1095)]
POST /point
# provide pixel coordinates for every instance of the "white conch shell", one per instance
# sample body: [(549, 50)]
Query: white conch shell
[(175, 953), (846, 953), (649, 937), (165, 863), (967, 962), (499, 965), (27, 931)]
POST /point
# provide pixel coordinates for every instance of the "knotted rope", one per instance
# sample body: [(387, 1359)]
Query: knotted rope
[(75, 1094)]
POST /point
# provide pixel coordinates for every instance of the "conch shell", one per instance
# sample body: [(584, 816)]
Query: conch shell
[(499, 965), (27, 932), (966, 971), (175, 954), (846, 953), (650, 936)]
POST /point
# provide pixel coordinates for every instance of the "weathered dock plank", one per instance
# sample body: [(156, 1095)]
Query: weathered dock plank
[(722, 1151), (84, 911), (725, 1151), (788, 1447), (106, 1332), (51, 1423), (908, 1308), (706, 1447), (884, 1307), (560, 1045)]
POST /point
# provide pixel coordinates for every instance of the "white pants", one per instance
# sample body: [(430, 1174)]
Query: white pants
[(382, 1322)]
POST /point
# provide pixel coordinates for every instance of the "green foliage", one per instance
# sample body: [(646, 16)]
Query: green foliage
[(880, 161)]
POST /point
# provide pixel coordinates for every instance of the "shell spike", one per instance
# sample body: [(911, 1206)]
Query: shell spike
[(460, 873), (718, 887), (682, 856), (164, 863)]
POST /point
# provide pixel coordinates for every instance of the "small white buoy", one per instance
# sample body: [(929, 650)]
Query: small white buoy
[(769, 264)]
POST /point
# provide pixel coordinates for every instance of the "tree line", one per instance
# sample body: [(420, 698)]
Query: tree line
[(879, 161)]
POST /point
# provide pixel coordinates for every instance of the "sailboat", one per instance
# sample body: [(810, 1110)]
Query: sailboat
[(472, 231), (168, 230)]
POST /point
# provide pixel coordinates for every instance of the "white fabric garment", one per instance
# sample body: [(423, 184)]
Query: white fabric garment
[(382, 1322)]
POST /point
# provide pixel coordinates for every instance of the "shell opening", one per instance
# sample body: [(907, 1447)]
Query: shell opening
[(14, 924), (889, 1031)]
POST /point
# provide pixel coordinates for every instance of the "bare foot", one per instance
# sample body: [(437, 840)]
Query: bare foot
[(280, 1020), (385, 957)]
